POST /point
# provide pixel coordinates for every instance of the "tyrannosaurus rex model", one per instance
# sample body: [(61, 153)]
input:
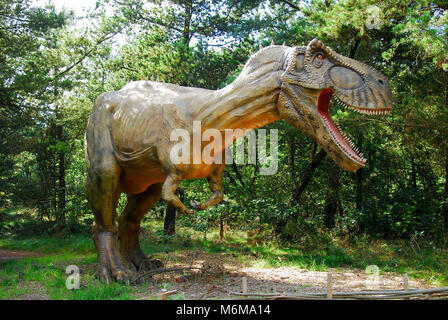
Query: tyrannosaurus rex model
[(127, 143)]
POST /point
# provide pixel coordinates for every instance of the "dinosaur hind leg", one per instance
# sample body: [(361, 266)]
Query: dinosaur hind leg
[(129, 226), (102, 192)]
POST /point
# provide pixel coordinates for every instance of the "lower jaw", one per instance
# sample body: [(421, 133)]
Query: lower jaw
[(340, 141), (323, 109)]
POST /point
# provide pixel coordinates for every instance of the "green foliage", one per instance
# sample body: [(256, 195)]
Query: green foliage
[(52, 70)]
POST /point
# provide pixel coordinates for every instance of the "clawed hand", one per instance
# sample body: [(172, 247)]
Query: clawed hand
[(195, 205)]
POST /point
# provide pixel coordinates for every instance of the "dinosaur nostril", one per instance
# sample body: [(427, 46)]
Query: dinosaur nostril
[(381, 82)]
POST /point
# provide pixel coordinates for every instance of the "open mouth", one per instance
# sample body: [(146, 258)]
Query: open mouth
[(344, 143)]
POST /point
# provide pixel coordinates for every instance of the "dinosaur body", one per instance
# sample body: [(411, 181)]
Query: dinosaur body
[(128, 143)]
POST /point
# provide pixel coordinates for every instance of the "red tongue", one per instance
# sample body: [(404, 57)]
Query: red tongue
[(323, 106), (324, 100)]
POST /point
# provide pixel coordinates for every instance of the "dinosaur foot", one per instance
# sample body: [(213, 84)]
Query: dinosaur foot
[(111, 266)]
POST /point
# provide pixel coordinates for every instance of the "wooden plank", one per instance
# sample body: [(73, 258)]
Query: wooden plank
[(353, 294), (244, 285), (166, 294), (329, 285), (406, 282), (163, 296)]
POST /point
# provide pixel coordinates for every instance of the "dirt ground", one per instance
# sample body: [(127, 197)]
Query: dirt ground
[(16, 254), (219, 276)]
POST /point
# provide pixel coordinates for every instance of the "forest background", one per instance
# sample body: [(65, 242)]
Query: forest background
[(56, 61)]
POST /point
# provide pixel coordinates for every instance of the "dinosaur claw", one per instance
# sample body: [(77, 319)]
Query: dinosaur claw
[(110, 264), (195, 205)]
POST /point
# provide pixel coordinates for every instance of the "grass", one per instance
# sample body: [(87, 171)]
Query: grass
[(44, 276), (27, 277)]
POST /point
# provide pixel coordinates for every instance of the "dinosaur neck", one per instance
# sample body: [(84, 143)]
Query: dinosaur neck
[(245, 106), (250, 101)]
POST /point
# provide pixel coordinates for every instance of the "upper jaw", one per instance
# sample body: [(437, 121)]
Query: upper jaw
[(369, 108), (372, 97)]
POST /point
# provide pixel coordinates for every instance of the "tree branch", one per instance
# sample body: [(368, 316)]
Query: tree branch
[(292, 5), (85, 55), (307, 174), (238, 175)]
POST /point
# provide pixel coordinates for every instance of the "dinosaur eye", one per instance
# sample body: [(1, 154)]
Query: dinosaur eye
[(320, 57)]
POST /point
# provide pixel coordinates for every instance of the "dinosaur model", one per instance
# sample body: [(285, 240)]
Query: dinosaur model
[(127, 142)]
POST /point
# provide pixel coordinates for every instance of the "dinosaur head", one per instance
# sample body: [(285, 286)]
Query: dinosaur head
[(314, 75)]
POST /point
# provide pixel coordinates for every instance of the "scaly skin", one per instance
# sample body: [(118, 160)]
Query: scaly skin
[(127, 142)]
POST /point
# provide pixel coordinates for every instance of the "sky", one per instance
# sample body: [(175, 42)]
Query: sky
[(79, 6), (76, 5)]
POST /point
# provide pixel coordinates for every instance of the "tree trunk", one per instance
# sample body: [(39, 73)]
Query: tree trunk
[(221, 226), (292, 165), (332, 203), (307, 174), (170, 219), (446, 171), (413, 173), (445, 213), (170, 215), (61, 219), (238, 174), (359, 193), (186, 34)]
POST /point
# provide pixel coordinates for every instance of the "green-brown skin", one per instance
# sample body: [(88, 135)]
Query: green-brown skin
[(127, 143)]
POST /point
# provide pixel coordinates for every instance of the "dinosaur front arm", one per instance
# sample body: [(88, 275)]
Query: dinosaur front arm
[(215, 183), (169, 193)]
